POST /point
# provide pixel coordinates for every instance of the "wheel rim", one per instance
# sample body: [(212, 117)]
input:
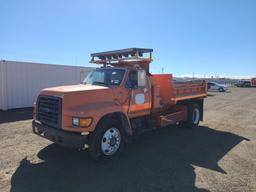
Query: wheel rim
[(196, 115), (110, 141)]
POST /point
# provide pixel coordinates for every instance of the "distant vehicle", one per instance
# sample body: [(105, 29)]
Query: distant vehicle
[(244, 83), (213, 86), (253, 82)]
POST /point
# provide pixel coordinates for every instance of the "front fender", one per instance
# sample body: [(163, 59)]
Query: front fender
[(94, 110)]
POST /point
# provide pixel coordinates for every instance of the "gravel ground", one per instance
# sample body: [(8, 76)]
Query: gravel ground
[(218, 156)]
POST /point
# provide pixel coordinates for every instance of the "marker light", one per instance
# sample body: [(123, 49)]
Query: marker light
[(85, 122)]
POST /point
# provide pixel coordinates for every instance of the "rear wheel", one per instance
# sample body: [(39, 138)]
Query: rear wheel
[(194, 114), (107, 141), (221, 89)]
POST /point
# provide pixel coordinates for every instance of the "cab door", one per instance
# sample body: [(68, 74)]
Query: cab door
[(140, 93)]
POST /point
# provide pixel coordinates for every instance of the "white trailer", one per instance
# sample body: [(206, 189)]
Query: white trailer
[(20, 82)]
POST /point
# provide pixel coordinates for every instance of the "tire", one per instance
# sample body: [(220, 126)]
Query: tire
[(221, 89), (194, 114), (107, 141)]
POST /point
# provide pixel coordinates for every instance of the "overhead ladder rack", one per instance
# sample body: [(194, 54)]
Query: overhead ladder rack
[(122, 55)]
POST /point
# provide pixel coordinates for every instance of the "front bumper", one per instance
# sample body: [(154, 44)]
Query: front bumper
[(66, 139)]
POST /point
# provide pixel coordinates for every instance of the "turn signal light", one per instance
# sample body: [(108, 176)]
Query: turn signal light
[(85, 122)]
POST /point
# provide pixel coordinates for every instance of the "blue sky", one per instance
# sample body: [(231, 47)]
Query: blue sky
[(188, 36)]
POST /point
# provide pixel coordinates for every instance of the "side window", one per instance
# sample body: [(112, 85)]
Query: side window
[(132, 81), (136, 79)]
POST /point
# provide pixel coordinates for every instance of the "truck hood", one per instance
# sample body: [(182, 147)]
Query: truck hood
[(77, 97), (72, 89)]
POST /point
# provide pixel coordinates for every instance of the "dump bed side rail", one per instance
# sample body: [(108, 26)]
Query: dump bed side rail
[(190, 90)]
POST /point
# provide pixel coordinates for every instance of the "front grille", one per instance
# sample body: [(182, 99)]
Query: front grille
[(49, 111)]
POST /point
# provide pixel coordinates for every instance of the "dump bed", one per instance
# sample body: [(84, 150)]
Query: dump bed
[(171, 92), (189, 90)]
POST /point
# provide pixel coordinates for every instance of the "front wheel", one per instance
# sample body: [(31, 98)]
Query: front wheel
[(107, 141)]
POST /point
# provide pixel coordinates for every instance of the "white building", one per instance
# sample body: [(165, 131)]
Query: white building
[(21, 82)]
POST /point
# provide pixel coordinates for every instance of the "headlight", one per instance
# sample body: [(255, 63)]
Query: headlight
[(81, 122), (75, 121)]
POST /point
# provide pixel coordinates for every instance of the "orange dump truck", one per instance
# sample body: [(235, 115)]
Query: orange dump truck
[(115, 103)]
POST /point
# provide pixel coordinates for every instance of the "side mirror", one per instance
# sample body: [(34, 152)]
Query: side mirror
[(141, 78)]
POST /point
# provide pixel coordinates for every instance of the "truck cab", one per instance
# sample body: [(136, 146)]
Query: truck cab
[(116, 102)]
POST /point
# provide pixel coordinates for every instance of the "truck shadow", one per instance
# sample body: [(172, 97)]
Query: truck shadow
[(13, 115), (159, 161)]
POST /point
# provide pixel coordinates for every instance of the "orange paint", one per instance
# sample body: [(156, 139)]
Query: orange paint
[(137, 108)]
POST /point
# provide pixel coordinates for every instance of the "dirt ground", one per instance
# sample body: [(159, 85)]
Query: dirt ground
[(218, 156)]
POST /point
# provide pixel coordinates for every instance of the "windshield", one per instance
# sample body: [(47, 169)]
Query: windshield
[(105, 77)]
